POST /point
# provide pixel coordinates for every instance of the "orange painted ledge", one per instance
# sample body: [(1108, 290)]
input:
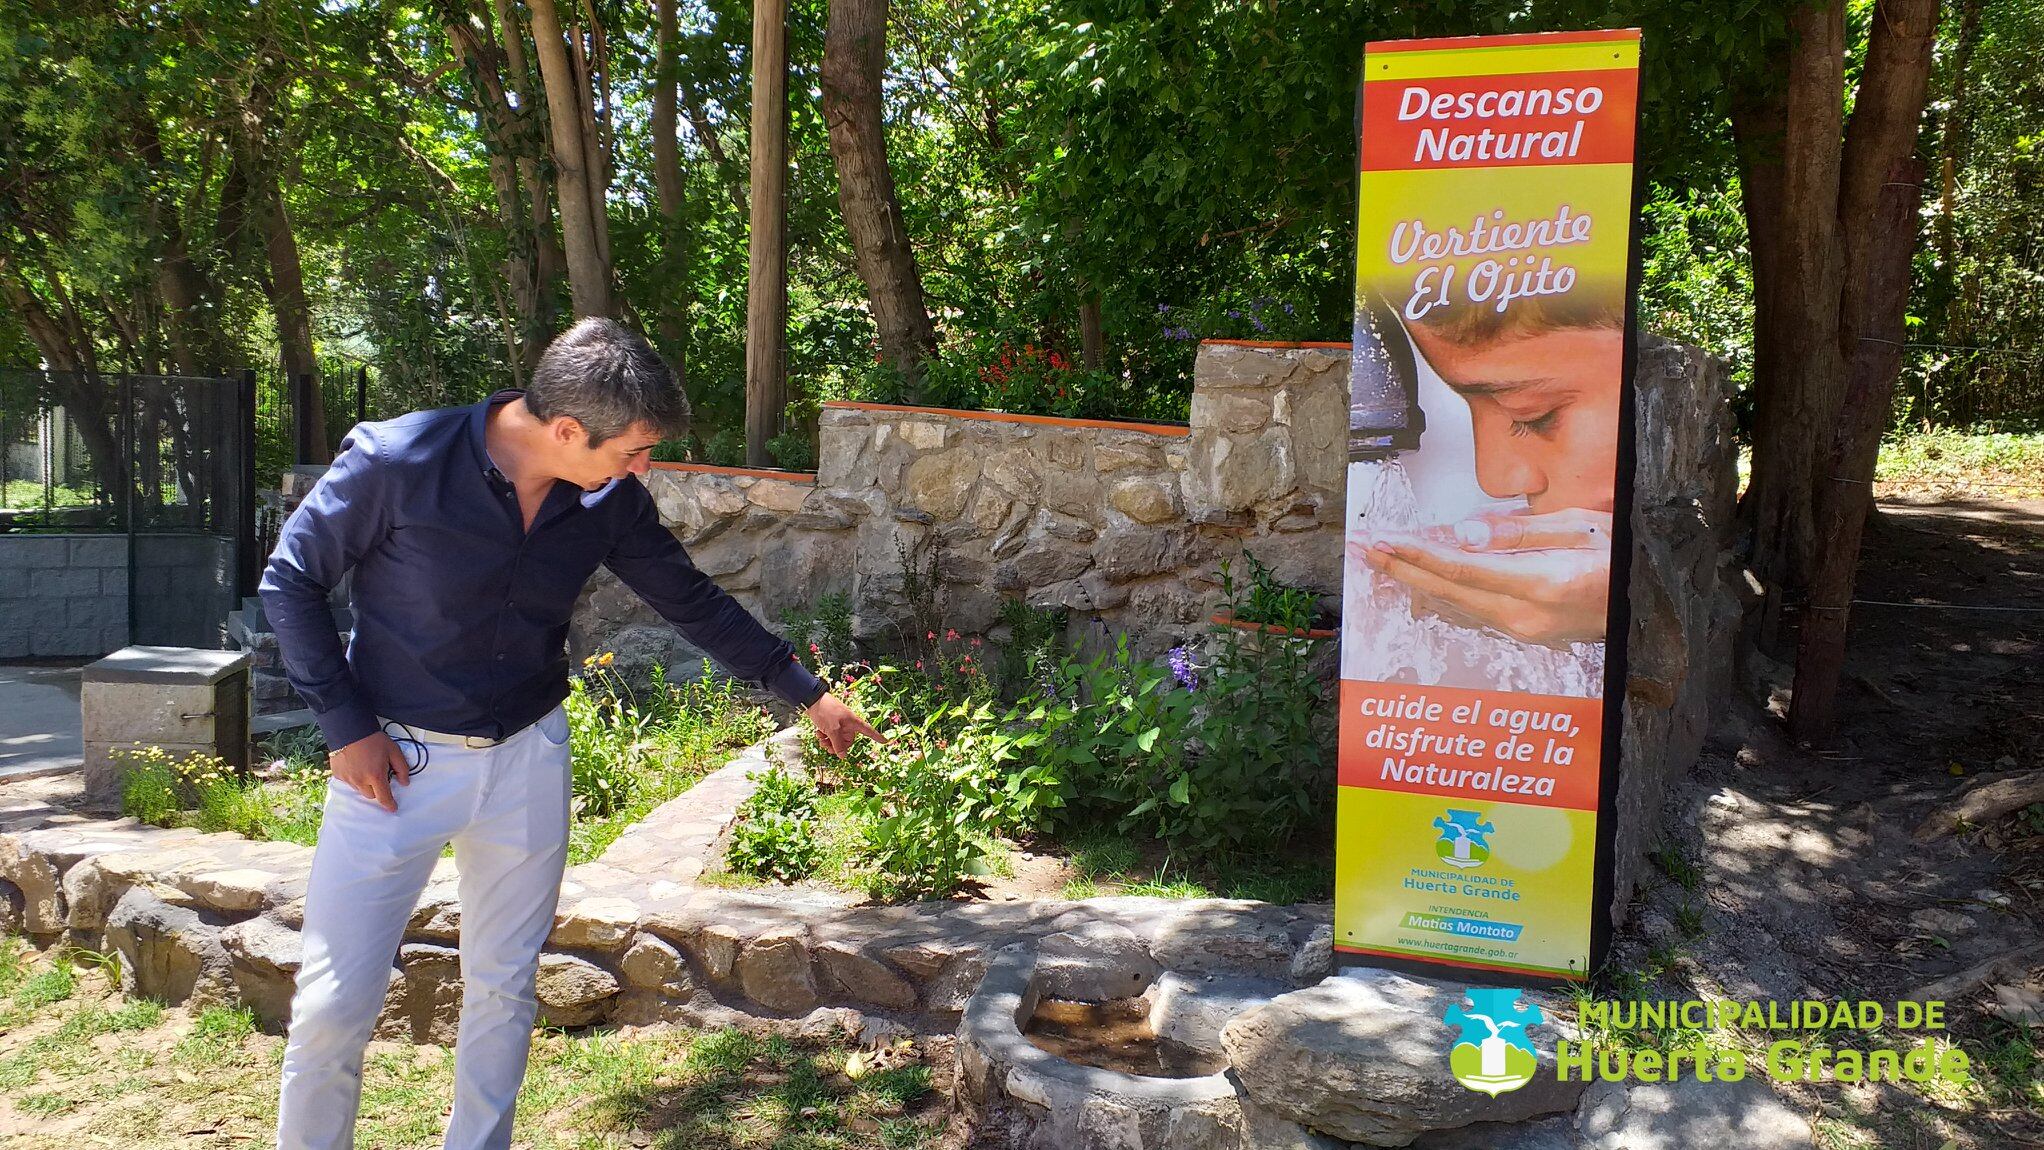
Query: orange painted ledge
[(1166, 429), (1280, 343), (1223, 619), (756, 472)]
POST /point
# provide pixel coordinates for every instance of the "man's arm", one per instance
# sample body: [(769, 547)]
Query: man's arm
[(341, 519), (652, 563)]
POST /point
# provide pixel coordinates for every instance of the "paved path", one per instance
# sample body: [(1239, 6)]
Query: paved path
[(38, 720)]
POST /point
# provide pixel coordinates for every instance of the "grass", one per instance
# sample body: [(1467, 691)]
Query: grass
[(2007, 465), (80, 1065), (1113, 864), (26, 493)]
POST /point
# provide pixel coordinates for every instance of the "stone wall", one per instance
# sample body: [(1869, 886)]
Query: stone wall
[(1129, 523), (62, 595), (1126, 522)]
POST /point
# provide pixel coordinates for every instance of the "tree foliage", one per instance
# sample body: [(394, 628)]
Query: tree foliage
[(1186, 168)]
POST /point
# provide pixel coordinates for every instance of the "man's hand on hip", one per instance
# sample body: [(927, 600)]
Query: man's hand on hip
[(838, 726), (368, 763)]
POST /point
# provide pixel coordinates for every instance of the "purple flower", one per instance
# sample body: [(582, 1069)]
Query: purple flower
[(1260, 325), (1183, 669), (1234, 313), (1163, 309), (1288, 309)]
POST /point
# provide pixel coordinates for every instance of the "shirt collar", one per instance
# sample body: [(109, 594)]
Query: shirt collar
[(479, 426)]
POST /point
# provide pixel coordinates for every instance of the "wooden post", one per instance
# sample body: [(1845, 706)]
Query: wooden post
[(766, 297)]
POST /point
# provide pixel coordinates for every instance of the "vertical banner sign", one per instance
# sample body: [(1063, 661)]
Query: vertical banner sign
[(1489, 482)]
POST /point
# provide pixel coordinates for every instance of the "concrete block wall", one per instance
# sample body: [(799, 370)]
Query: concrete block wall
[(62, 595)]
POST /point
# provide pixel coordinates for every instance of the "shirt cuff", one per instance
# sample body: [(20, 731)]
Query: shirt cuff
[(794, 684), (345, 725)]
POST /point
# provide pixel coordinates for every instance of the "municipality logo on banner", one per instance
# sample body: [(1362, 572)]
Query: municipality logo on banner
[(1494, 1053), (1465, 838)]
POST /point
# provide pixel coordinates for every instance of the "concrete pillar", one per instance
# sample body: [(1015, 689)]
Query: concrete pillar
[(178, 698)]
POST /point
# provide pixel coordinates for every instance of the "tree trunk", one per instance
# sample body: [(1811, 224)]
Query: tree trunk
[(550, 264), (1958, 125), (672, 192), (286, 283), (508, 144), (1801, 393), (854, 56), (1843, 500), (584, 231), (1092, 338), (766, 297)]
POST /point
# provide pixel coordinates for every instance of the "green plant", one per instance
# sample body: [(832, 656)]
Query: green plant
[(1107, 740), (633, 751), (1035, 638), (928, 800), (822, 634), (1261, 764), (1266, 599), (773, 836)]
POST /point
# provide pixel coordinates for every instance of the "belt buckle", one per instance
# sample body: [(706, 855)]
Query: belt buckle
[(478, 742)]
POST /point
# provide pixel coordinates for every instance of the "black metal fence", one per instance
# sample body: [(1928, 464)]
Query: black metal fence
[(161, 468)]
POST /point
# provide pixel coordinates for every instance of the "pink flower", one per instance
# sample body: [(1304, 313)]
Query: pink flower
[(975, 640), (951, 636), (919, 664), (815, 650), (930, 635)]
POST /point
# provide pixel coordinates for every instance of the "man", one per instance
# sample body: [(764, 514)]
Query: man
[(471, 532)]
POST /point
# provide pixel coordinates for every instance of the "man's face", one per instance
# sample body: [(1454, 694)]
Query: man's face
[(591, 467), (1545, 412)]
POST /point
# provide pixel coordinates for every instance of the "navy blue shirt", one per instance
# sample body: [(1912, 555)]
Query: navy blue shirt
[(461, 615)]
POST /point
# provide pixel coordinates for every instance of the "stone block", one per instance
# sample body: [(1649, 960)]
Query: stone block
[(37, 551), (63, 583), (573, 991), (97, 552), (1360, 1056), (169, 952), (774, 970)]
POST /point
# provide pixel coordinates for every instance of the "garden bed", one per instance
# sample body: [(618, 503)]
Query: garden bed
[(1035, 764), (634, 747)]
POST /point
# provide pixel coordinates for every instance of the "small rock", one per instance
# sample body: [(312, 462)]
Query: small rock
[(1940, 920), (1993, 898), (1725, 800)]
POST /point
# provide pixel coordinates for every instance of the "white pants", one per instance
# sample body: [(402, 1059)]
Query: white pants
[(505, 809)]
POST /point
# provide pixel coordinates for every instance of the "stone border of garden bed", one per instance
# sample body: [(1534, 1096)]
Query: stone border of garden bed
[(214, 918)]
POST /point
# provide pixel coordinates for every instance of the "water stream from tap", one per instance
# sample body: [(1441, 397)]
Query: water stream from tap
[(1386, 639)]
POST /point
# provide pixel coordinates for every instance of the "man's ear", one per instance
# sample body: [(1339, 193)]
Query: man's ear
[(567, 431)]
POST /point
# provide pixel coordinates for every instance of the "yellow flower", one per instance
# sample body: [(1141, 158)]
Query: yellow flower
[(605, 661)]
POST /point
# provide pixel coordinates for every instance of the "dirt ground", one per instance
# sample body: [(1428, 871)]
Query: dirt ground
[(1805, 866)]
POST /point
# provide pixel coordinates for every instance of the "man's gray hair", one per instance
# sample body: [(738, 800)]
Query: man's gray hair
[(606, 377)]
